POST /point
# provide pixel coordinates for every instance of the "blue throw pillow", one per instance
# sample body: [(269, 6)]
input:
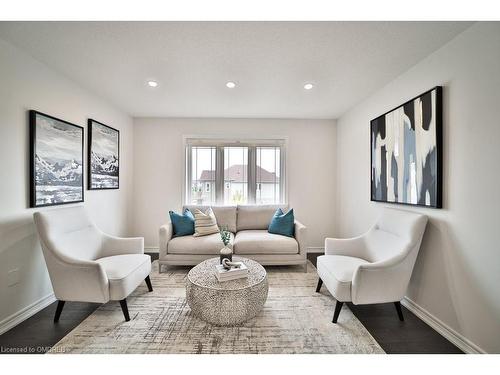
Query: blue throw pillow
[(183, 225), (282, 223)]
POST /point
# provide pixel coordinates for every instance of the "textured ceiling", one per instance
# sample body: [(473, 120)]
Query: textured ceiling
[(269, 61)]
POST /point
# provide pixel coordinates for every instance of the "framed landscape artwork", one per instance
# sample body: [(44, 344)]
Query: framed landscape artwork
[(56, 161), (406, 152), (104, 156)]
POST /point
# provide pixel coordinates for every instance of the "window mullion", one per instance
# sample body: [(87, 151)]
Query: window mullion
[(282, 174), (189, 175), (219, 175), (252, 179)]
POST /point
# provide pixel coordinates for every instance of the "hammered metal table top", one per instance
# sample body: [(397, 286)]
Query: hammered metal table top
[(203, 275)]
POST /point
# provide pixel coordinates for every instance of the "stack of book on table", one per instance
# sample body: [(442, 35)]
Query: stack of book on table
[(231, 274)]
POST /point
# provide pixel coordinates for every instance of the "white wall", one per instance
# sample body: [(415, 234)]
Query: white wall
[(159, 168), (27, 84), (457, 274)]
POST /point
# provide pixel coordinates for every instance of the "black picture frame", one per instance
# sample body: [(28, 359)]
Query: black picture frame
[(439, 150), (90, 185), (32, 160)]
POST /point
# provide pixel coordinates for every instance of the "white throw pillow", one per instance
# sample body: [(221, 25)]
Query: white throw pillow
[(205, 223)]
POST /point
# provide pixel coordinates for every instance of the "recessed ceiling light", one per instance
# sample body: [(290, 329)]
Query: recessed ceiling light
[(230, 85), (308, 86), (152, 84)]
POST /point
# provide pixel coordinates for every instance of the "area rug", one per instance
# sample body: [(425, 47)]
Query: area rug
[(295, 319)]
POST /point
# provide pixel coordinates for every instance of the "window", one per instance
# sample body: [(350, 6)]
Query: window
[(236, 175), (267, 175), (235, 172), (202, 175)]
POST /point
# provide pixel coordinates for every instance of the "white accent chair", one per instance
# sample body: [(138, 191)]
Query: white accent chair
[(86, 264), (375, 267)]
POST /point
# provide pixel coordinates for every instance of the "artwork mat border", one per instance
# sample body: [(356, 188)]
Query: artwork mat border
[(89, 155), (439, 150), (32, 159)]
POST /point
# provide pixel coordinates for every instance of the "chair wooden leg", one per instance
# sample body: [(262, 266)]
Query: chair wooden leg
[(320, 283), (123, 304), (399, 310), (60, 305), (148, 283), (338, 307)]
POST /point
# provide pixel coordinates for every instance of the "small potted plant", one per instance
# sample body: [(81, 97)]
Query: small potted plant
[(225, 252)]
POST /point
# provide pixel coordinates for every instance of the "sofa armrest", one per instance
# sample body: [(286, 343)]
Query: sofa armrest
[(301, 237), (166, 232)]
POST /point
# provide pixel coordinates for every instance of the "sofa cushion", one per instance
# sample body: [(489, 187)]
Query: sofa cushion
[(263, 242), (125, 273), (337, 272), (256, 217), (210, 244), (282, 223), (183, 225), (225, 215), (205, 223)]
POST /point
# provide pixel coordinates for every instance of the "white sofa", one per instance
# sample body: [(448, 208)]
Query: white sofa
[(86, 264), (375, 267), (249, 238)]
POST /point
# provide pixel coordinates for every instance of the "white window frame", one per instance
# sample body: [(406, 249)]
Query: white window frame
[(210, 141)]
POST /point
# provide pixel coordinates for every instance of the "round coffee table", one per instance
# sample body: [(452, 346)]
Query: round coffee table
[(226, 303)]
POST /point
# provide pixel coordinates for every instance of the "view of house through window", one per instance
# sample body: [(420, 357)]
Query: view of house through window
[(202, 174), (229, 174), (235, 175), (267, 175)]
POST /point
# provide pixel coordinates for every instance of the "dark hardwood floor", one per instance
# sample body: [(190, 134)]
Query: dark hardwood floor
[(38, 333)]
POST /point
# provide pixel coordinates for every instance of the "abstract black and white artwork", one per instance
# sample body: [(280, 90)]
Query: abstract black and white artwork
[(406, 148), (56, 161), (104, 156)]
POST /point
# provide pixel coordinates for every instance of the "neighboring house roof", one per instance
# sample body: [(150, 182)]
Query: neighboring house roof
[(237, 173)]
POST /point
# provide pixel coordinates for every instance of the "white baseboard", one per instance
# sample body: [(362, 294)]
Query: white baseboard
[(447, 332), (20, 316), (151, 249)]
